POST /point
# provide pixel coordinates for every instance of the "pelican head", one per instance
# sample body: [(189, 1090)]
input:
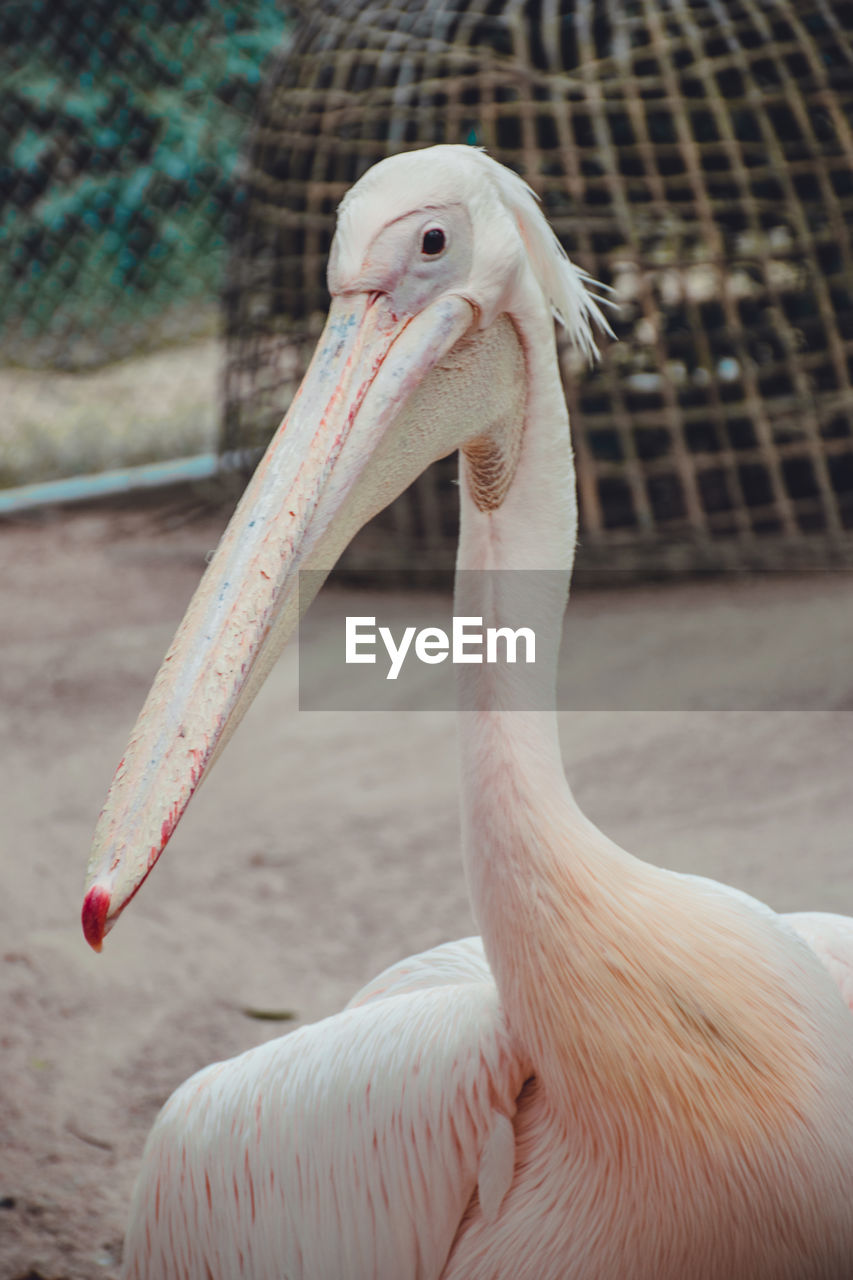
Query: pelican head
[(441, 270)]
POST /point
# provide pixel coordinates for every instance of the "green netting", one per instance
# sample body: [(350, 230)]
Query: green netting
[(120, 128)]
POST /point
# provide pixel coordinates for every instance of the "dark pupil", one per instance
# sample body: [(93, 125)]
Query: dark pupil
[(433, 241)]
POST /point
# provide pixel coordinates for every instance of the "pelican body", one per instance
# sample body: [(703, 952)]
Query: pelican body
[(634, 1075)]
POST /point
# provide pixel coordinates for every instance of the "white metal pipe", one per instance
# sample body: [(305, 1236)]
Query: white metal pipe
[(152, 475)]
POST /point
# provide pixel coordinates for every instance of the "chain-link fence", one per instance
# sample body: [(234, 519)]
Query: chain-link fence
[(120, 128)]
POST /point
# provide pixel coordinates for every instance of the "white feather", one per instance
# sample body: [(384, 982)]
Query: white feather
[(497, 1167), (350, 1148), (565, 286)]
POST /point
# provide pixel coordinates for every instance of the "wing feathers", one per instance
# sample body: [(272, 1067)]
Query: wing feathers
[(831, 938), (449, 964), (348, 1148), (497, 1166)]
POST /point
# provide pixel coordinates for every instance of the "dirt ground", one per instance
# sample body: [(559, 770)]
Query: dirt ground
[(326, 845)]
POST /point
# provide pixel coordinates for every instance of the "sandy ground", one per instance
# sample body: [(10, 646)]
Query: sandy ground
[(326, 844)]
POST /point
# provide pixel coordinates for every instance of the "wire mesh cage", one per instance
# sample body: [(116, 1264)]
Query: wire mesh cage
[(697, 155), (120, 125)]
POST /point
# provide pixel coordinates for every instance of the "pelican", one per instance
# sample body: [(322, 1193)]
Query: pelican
[(636, 1074)]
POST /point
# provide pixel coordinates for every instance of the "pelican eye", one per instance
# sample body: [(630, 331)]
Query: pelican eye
[(433, 242)]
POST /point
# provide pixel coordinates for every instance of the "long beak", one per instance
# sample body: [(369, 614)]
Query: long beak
[(311, 492)]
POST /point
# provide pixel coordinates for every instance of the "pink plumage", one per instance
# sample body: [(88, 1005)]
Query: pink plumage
[(635, 1075)]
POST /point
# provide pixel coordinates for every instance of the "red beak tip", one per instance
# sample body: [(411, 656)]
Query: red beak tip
[(94, 916)]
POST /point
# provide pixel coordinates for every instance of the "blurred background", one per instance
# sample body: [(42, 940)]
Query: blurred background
[(170, 174), (121, 128)]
